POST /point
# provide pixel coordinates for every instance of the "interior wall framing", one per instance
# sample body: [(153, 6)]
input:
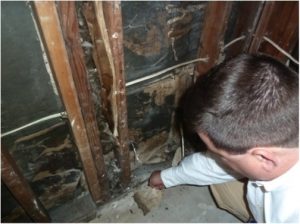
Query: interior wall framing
[(139, 106)]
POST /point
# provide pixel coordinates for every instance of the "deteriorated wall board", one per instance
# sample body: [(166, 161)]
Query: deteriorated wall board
[(159, 34), (154, 129), (162, 36), (45, 151), (27, 91), (50, 163)]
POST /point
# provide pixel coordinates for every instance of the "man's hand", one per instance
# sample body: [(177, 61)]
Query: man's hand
[(155, 180)]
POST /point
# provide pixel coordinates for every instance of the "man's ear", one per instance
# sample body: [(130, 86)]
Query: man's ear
[(268, 159)]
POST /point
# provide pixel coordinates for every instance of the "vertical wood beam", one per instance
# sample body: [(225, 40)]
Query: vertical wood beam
[(243, 26), (261, 27), (279, 23), (101, 61), (109, 19), (70, 29), (212, 38), (21, 190), (48, 21)]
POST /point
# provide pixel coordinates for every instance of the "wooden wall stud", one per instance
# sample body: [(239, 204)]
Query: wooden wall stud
[(21, 190), (70, 28), (49, 24), (211, 41), (109, 19)]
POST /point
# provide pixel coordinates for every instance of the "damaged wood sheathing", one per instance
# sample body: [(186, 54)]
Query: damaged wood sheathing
[(170, 36), (49, 161), (153, 128), (165, 35)]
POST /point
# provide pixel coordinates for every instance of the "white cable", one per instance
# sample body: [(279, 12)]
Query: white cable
[(135, 153), (34, 122), (280, 49), (165, 70), (233, 41)]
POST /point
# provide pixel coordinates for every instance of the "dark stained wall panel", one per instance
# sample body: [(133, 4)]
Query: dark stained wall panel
[(149, 28), (26, 89)]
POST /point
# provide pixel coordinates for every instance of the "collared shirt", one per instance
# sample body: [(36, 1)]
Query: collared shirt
[(275, 201)]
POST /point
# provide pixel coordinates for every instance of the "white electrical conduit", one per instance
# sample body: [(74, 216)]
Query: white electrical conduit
[(165, 70), (280, 49), (233, 42), (62, 114)]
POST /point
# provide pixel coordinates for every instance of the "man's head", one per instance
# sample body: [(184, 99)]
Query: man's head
[(246, 103)]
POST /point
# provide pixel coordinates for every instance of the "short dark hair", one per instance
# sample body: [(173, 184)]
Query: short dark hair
[(245, 102)]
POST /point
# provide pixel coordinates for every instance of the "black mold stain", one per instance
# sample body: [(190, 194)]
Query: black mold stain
[(148, 117)]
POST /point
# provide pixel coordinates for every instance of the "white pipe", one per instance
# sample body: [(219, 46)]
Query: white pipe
[(165, 70), (233, 41), (33, 123), (280, 49)]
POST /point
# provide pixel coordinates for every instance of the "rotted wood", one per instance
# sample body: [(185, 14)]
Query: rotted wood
[(101, 61), (212, 38), (21, 190), (109, 20), (70, 29), (49, 24), (279, 23)]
